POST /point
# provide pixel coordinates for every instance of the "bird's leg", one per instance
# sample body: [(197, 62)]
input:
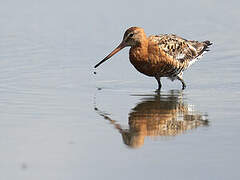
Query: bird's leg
[(179, 77), (159, 83)]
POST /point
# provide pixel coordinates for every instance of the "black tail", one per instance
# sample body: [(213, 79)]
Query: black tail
[(206, 45)]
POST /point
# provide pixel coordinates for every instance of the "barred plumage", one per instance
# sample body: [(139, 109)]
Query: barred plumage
[(159, 56)]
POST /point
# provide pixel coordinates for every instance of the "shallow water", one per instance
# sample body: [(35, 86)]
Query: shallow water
[(59, 120)]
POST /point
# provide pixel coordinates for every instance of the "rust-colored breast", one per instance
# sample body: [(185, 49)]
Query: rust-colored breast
[(139, 59), (151, 60)]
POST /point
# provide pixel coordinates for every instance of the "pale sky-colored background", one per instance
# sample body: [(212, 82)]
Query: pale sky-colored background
[(48, 126)]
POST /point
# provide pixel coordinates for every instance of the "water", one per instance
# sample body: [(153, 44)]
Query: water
[(59, 120)]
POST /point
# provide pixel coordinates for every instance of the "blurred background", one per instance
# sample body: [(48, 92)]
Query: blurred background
[(59, 121)]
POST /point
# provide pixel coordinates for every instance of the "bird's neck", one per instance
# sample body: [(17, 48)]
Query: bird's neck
[(139, 52)]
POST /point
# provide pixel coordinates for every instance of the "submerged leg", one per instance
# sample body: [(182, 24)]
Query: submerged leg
[(159, 83), (182, 81)]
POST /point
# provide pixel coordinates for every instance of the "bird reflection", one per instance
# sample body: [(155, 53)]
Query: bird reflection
[(165, 114)]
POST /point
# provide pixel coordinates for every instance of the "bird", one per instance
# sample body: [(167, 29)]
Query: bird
[(164, 55), (165, 115)]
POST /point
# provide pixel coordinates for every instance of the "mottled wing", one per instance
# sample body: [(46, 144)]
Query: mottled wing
[(181, 49)]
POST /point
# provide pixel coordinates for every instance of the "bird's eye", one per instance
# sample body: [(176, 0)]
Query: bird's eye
[(130, 35)]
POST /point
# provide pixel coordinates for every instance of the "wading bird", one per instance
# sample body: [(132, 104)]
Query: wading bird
[(159, 56)]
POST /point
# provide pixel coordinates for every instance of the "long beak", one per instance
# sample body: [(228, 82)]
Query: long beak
[(117, 49)]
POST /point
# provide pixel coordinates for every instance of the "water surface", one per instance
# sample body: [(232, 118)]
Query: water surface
[(59, 120)]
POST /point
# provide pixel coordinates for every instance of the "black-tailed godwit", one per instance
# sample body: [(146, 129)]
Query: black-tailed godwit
[(159, 56)]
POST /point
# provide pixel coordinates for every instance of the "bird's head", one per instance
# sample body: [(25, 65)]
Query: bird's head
[(132, 37)]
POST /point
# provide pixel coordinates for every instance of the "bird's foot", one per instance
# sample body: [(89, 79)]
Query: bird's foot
[(182, 81), (183, 86), (157, 90)]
